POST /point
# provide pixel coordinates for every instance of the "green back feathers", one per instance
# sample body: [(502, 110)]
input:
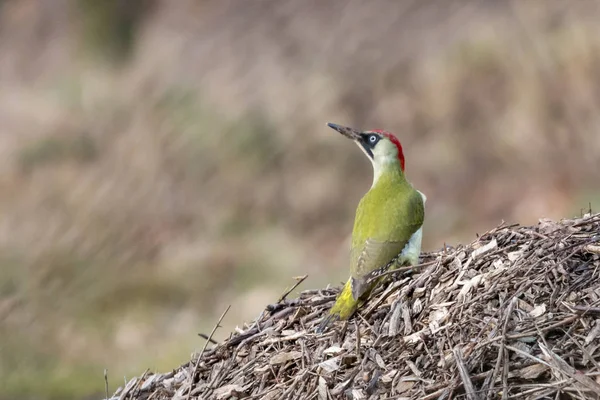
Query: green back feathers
[(386, 218)]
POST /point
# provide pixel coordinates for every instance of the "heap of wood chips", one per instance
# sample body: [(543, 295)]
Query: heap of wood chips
[(515, 314)]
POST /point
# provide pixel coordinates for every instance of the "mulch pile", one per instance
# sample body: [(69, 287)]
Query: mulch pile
[(515, 314)]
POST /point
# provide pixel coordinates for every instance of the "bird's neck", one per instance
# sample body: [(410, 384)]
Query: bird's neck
[(387, 170)]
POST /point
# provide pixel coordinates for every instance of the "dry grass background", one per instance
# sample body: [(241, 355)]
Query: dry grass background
[(160, 160)]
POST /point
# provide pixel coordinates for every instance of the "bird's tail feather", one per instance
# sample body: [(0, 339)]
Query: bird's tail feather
[(327, 321), (345, 305)]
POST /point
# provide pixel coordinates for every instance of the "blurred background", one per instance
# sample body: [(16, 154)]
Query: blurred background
[(160, 160)]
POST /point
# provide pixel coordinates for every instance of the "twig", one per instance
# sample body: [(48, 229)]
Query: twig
[(527, 355), (402, 269), (464, 375), (299, 280), (560, 365), (128, 388), (208, 339), (106, 382), (594, 310), (217, 325), (509, 311), (357, 331)]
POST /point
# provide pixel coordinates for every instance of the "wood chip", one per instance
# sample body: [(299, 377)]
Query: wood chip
[(331, 365), (284, 357), (228, 391), (538, 311), (322, 387), (531, 372), (492, 245), (594, 333), (333, 350)]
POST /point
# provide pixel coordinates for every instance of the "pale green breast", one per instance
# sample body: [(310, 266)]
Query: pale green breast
[(386, 218)]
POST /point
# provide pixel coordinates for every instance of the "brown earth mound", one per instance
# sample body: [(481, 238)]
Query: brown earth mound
[(515, 314)]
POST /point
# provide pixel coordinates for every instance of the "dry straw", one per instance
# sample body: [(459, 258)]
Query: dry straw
[(515, 314)]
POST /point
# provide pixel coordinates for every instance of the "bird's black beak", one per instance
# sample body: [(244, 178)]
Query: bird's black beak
[(348, 132), (357, 136)]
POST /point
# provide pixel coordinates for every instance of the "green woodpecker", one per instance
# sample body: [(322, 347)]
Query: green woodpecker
[(388, 223)]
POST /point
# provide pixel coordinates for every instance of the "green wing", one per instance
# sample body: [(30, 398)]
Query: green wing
[(383, 226)]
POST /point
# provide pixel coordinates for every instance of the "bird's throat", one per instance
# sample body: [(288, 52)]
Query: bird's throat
[(387, 168)]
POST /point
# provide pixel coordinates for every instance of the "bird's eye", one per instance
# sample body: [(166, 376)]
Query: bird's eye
[(372, 139)]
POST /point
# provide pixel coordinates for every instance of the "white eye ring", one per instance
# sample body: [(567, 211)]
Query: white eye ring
[(373, 139)]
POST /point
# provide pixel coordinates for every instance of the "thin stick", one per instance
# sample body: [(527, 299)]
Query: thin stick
[(299, 280), (205, 337), (402, 269), (357, 331), (586, 309), (106, 382), (464, 375), (217, 325), (501, 351)]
